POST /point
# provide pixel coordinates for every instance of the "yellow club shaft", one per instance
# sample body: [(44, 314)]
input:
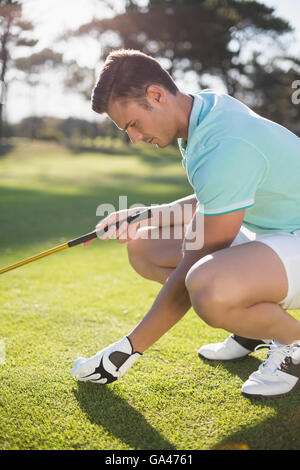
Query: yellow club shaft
[(34, 258), (147, 214)]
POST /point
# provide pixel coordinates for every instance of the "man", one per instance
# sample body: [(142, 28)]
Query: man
[(244, 171)]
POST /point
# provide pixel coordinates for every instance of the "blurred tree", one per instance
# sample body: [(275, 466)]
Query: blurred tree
[(208, 37), (35, 70), (73, 132), (31, 125), (31, 65), (269, 90), (14, 32), (81, 79), (205, 36)]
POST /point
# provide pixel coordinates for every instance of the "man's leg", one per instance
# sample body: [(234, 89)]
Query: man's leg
[(239, 289), (154, 258), (155, 255)]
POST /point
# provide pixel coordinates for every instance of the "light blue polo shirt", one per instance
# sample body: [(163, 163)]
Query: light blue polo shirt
[(236, 159)]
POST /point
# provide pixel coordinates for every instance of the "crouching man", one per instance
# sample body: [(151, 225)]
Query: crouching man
[(242, 273)]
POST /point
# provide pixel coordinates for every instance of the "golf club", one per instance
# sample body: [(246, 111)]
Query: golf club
[(77, 241)]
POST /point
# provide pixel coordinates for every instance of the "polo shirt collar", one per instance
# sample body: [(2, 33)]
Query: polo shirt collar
[(193, 123)]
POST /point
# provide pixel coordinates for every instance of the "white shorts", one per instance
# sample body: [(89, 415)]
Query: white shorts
[(287, 247)]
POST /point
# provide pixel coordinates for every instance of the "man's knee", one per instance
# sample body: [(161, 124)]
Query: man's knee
[(137, 254), (208, 296)]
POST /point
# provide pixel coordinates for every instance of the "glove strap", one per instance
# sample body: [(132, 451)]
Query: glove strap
[(124, 358)]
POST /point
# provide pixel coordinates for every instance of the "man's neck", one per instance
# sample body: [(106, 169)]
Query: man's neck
[(184, 105)]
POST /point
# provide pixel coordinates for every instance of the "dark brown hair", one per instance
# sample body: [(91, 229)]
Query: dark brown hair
[(125, 75)]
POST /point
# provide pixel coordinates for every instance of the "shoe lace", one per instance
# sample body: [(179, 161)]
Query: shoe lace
[(276, 355)]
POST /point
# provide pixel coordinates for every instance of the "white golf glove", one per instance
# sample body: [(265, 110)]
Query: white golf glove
[(107, 365)]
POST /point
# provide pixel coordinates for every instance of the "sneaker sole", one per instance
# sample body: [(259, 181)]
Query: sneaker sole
[(223, 360), (250, 395)]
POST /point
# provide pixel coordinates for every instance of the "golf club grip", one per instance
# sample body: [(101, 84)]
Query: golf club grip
[(147, 214)]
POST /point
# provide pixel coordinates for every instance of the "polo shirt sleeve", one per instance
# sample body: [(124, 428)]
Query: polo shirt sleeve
[(228, 177)]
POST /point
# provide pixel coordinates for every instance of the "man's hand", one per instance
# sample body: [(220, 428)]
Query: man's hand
[(126, 231), (107, 365)]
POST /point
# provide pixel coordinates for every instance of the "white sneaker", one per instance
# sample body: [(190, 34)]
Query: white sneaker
[(232, 349), (278, 375)]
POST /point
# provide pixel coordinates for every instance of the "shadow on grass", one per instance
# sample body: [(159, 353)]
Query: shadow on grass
[(29, 216), (242, 368), (105, 408), (55, 210), (113, 150), (280, 432), (5, 149), (157, 157)]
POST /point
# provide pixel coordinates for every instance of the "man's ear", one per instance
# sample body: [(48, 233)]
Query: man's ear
[(156, 93)]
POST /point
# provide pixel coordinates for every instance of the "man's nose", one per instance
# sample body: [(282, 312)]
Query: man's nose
[(134, 136)]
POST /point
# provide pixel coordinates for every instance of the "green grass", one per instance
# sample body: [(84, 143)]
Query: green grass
[(80, 300)]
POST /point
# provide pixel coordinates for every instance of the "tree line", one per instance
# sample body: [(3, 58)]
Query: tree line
[(239, 42), (73, 132)]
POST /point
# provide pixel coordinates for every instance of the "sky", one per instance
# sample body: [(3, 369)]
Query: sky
[(54, 17), (289, 10)]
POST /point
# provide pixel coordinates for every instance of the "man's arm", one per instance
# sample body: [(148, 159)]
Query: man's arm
[(169, 307), (178, 212), (173, 300)]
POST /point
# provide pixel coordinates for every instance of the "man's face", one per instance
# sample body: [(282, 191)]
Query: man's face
[(154, 126)]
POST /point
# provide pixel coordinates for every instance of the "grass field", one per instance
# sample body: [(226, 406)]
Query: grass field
[(78, 301)]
